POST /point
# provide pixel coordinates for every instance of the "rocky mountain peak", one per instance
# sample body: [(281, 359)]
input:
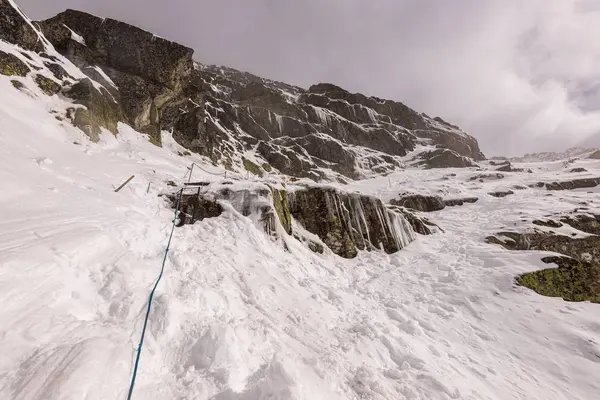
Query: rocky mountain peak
[(236, 119)]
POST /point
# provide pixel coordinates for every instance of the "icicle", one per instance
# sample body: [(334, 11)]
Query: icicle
[(359, 215), (279, 119), (340, 213), (380, 217), (372, 114), (323, 116), (401, 230)]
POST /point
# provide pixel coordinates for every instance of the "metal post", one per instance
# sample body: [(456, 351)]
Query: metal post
[(191, 170)]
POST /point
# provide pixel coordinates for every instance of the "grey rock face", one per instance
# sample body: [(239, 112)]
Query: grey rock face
[(348, 222), (101, 110), (14, 28), (120, 46), (148, 71)]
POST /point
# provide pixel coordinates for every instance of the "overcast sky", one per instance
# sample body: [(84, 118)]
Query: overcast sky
[(520, 75)]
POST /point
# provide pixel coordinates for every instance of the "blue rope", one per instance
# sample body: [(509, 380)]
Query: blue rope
[(139, 350)]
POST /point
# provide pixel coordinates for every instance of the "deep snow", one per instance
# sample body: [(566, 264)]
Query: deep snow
[(238, 318)]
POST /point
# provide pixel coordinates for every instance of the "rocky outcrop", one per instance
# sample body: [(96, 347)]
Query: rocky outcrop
[(444, 158), (573, 280), (547, 223), (344, 222), (460, 202), (100, 109), (144, 71), (11, 65), (420, 202), (586, 249), (594, 156), (120, 47), (47, 85), (348, 222), (15, 28), (586, 223), (486, 177), (196, 208), (576, 279), (569, 185), (420, 225), (501, 193)]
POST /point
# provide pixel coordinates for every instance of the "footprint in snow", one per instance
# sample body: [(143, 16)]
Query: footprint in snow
[(41, 161)]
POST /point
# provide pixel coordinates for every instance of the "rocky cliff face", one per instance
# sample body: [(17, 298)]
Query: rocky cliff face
[(317, 216), (239, 120)]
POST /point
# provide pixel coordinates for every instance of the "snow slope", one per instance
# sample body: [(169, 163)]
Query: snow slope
[(238, 318)]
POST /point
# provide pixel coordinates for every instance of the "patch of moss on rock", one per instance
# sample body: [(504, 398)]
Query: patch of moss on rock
[(47, 85), (267, 167), (100, 109), (155, 140), (252, 168), (316, 247), (576, 279), (573, 280), (11, 65), (281, 207)]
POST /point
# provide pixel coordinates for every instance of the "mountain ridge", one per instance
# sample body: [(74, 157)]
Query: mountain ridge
[(235, 118)]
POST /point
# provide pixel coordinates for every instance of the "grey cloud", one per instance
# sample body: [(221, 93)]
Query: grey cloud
[(521, 76)]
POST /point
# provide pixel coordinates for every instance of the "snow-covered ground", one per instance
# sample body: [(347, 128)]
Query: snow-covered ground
[(238, 318)]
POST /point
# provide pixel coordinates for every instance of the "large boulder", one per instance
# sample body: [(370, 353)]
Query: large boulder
[(420, 202), (121, 46), (444, 158)]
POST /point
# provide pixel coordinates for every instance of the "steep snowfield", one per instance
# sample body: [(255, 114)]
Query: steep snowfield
[(238, 318)]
